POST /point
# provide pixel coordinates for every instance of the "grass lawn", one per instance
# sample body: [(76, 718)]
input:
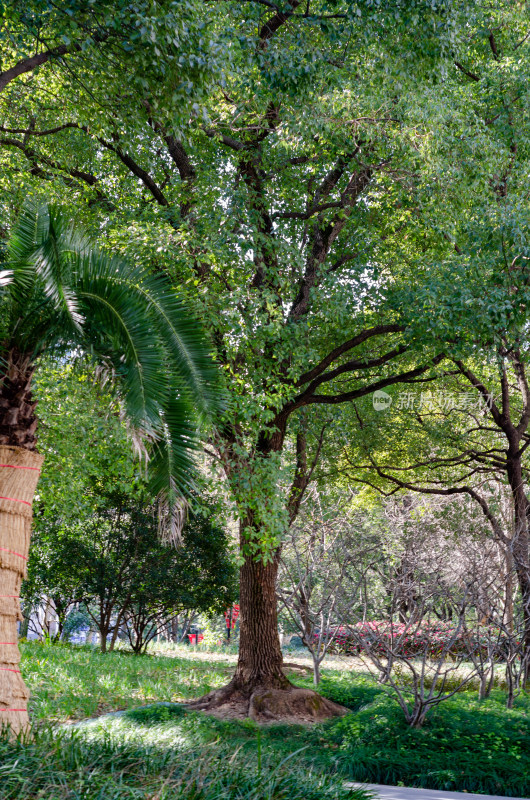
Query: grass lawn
[(164, 752)]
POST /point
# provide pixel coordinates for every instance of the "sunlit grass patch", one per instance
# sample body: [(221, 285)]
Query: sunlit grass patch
[(70, 683)]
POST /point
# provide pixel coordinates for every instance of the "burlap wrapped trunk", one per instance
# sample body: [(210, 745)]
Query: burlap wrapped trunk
[(19, 474)]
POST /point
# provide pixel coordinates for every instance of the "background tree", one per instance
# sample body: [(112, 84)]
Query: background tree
[(52, 579), (114, 563), (86, 445), (438, 625), (199, 576), (466, 439), (469, 185), (320, 577)]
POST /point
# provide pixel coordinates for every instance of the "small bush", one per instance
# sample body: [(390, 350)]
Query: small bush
[(465, 745)]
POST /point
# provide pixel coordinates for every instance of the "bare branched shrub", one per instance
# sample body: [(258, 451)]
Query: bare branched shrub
[(319, 566)]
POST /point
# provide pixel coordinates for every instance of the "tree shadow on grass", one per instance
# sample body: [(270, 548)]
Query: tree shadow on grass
[(274, 741)]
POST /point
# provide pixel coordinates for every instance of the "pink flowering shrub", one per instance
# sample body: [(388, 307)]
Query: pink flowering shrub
[(427, 639)]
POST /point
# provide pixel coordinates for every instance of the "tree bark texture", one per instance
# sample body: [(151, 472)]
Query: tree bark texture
[(19, 474), (18, 421), (520, 548), (260, 654)]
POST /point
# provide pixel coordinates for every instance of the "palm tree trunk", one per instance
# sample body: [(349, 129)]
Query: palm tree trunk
[(18, 421), (19, 473)]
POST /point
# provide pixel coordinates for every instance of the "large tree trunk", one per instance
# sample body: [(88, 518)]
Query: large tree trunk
[(259, 688), (260, 655), (19, 473)]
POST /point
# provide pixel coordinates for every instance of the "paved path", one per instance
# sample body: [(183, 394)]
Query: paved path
[(402, 793)]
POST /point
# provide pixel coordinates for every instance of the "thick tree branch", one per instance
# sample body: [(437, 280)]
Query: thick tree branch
[(495, 525), (229, 141), (175, 148), (306, 398), (180, 157), (493, 46), (303, 472), (38, 160), (28, 64), (272, 438), (340, 261), (48, 132), (522, 383), (479, 386), (307, 214), (265, 3), (324, 234), (353, 366), (378, 330), (275, 22), (137, 170)]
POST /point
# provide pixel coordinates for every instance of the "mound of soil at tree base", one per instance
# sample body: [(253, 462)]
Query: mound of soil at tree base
[(289, 666), (292, 705)]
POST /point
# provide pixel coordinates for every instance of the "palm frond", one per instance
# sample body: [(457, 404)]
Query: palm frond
[(39, 253), (187, 346), (71, 294)]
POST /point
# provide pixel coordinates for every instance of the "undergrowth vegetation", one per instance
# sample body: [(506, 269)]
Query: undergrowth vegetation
[(162, 751), (465, 744), (120, 762)]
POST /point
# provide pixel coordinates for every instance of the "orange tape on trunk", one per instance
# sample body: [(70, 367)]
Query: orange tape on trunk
[(13, 552), (17, 466)]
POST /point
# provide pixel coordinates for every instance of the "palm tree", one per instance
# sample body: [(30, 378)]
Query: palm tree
[(59, 293)]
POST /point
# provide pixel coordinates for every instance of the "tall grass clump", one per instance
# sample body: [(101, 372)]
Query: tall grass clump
[(103, 764)]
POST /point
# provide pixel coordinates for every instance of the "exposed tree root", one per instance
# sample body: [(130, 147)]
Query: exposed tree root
[(262, 704)]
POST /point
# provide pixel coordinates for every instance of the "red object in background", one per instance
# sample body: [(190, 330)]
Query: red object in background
[(195, 638), (231, 616)]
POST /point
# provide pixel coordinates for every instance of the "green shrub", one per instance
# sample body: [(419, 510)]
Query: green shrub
[(466, 744)]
